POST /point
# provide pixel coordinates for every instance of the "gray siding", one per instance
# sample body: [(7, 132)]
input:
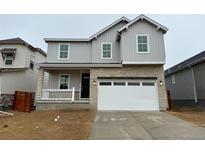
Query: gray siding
[(183, 88), (108, 36), (156, 44), (75, 79), (125, 49), (80, 52), (199, 75)]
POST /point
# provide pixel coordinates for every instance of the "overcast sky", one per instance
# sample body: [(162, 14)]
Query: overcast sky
[(185, 38)]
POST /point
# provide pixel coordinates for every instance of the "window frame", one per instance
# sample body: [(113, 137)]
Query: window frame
[(59, 80), (59, 51), (148, 48), (8, 59), (102, 50)]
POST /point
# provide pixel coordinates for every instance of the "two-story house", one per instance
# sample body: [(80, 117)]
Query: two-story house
[(18, 69), (118, 68)]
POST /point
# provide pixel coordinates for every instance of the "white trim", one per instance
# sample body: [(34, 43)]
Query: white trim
[(194, 86), (126, 62), (68, 80), (143, 17), (148, 49), (109, 26), (59, 51), (102, 50)]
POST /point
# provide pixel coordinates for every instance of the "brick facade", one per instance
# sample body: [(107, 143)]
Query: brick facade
[(129, 71)]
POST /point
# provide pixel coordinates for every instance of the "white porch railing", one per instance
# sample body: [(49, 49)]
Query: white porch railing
[(59, 94)]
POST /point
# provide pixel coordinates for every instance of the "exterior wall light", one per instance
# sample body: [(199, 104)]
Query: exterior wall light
[(160, 83), (94, 82)]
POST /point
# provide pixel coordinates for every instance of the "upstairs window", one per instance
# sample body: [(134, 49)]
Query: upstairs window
[(9, 60), (32, 62), (31, 65), (64, 80), (106, 51), (142, 43), (64, 51)]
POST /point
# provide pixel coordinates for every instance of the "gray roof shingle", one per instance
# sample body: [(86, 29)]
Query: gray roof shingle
[(187, 63)]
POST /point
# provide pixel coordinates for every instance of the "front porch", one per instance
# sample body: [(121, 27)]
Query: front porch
[(63, 89)]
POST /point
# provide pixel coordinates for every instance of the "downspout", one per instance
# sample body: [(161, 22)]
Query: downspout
[(194, 86)]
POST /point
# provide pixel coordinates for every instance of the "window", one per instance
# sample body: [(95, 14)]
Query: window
[(105, 83), (8, 60), (31, 65), (119, 83), (133, 84), (173, 79), (147, 83), (64, 81), (106, 51), (64, 51), (142, 42), (32, 62)]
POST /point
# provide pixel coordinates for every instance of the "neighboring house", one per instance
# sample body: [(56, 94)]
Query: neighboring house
[(185, 81), (118, 68), (18, 69)]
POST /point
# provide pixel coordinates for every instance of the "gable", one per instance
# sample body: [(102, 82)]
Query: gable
[(148, 21)]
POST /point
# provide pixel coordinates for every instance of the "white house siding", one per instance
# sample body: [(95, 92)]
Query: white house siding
[(24, 80), (18, 80), (156, 44), (20, 58)]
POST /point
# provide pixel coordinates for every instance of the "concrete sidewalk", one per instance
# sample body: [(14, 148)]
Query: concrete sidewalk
[(143, 125)]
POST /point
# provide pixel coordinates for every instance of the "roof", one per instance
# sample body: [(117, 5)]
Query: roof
[(8, 50), (22, 42), (91, 37), (66, 39), (12, 69), (129, 23), (109, 26), (143, 17), (47, 65), (186, 64)]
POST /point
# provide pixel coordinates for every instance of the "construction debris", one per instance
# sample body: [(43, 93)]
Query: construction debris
[(7, 113)]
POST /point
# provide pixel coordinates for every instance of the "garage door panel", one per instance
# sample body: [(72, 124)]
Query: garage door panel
[(128, 97)]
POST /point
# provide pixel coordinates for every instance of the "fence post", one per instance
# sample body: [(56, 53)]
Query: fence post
[(73, 93)]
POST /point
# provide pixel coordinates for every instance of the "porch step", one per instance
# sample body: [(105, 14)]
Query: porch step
[(63, 101)]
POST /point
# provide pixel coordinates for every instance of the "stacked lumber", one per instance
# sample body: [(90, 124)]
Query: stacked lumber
[(23, 101)]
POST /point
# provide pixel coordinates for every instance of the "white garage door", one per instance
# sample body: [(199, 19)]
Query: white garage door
[(128, 95)]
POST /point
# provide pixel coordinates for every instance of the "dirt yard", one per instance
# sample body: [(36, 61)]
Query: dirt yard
[(41, 125), (191, 114)]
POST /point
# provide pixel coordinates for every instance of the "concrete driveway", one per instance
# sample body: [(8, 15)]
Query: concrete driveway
[(143, 125)]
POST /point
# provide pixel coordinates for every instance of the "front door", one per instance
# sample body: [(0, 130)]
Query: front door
[(85, 85)]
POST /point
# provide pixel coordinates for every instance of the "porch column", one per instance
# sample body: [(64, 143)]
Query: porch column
[(39, 86)]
